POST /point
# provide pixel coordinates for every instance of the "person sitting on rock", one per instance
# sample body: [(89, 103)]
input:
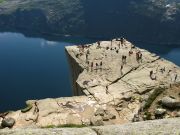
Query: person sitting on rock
[(151, 76)]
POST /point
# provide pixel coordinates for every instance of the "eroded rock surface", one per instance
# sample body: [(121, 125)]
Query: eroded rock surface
[(111, 79)]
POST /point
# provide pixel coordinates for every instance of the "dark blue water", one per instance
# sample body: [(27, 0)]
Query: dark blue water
[(34, 68)]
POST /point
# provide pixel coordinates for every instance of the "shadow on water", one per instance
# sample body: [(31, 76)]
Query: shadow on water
[(34, 66)]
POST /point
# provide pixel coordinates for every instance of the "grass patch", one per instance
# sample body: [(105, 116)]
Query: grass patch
[(65, 126), (152, 97), (28, 108)]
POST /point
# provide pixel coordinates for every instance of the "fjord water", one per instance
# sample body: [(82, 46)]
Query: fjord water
[(32, 68), (35, 68)]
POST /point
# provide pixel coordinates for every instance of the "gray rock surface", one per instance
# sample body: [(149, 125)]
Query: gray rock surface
[(97, 121), (157, 127), (170, 102)]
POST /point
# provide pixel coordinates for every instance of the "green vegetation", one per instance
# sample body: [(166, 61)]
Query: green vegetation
[(153, 96), (28, 108), (1, 1), (65, 126)]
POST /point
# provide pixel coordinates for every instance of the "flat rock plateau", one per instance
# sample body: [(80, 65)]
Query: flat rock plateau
[(114, 83)]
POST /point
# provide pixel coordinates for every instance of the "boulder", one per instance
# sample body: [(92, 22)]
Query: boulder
[(170, 102), (160, 111), (100, 112), (8, 122), (97, 121)]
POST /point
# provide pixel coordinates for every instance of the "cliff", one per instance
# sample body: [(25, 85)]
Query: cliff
[(114, 83)]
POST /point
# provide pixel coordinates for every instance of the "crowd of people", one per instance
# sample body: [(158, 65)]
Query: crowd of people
[(94, 65)]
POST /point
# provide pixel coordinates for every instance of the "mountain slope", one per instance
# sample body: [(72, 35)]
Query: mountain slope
[(146, 20)]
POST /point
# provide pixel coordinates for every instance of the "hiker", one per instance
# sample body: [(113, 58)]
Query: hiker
[(77, 55), (138, 56), (83, 48), (119, 45), (151, 76), (88, 52), (121, 69), (169, 72), (97, 66), (175, 78), (130, 52), (162, 70), (124, 59), (91, 66), (107, 48), (122, 41), (111, 43), (99, 44), (101, 65), (117, 51), (87, 65), (87, 57)]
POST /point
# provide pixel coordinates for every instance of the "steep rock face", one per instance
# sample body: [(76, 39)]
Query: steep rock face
[(114, 77)]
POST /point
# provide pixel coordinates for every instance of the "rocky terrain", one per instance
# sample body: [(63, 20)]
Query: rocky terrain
[(114, 83), (151, 21), (157, 127)]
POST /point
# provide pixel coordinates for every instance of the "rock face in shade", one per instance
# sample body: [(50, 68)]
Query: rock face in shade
[(110, 81)]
